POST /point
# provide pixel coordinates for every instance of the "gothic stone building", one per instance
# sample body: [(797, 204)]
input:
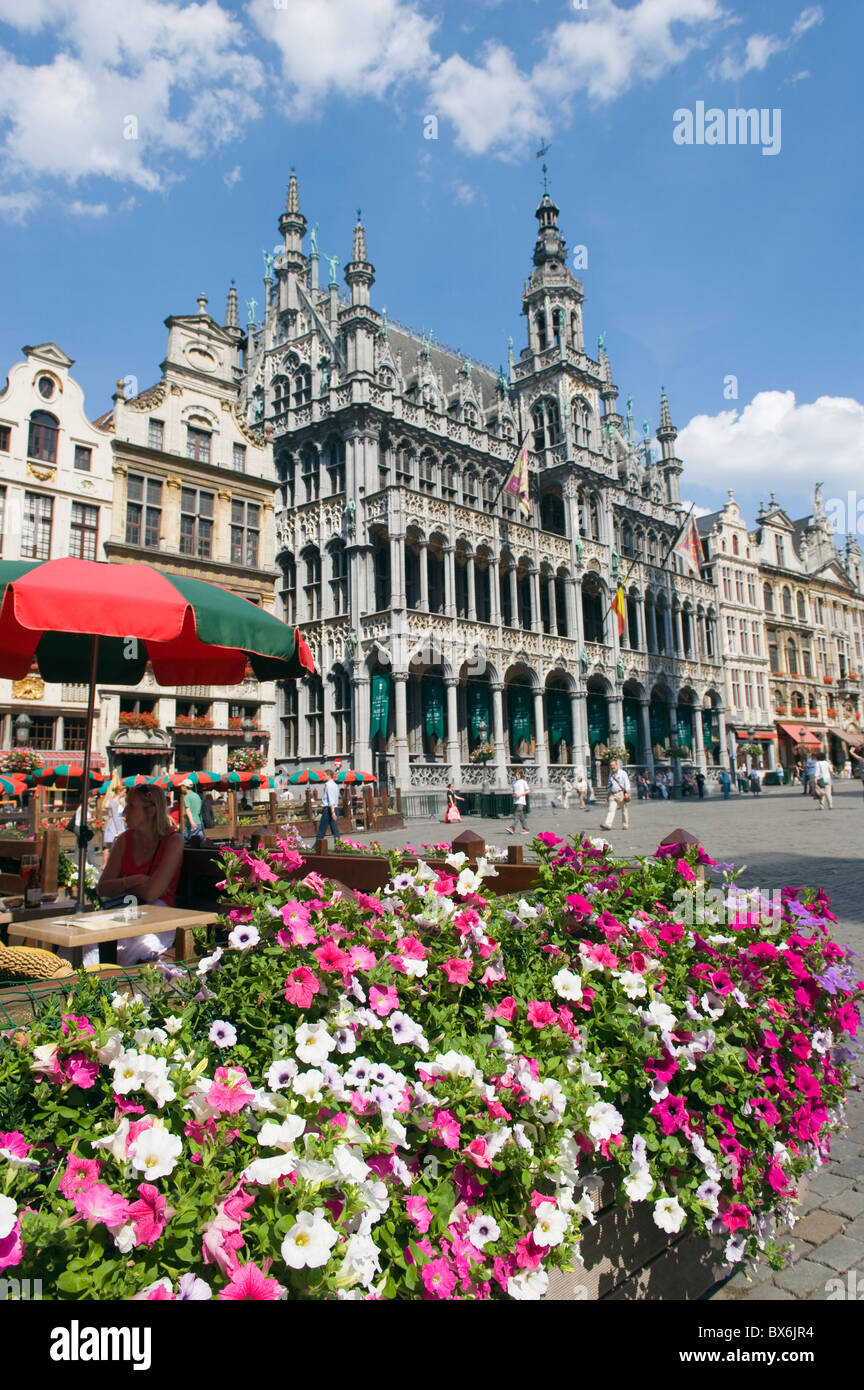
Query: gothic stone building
[(439, 615)]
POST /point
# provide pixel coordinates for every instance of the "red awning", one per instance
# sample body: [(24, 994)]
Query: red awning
[(851, 736), (765, 734), (51, 759), (799, 733)]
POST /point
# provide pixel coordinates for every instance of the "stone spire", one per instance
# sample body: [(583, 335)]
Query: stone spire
[(292, 223), (359, 274), (292, 201), (550, 244), (666, 433), (232, 315)]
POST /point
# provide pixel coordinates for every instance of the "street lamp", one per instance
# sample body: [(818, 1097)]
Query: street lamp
[(483, 733), (248, 727), (23, 725)]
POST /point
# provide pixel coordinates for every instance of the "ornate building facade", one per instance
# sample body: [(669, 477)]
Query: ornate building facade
[(441, 618)]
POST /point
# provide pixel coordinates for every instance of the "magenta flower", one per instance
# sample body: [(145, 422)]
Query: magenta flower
[(447, 1128), (458, 971), (478, 1153), (438, 1278), (362, 958), (80, 1175), (99, 1203), (330, 956), (228, 1092), (301, 987), (260, 871), (383, 1001), (685, 870), (74, 1023), (15, 1143), (579, 906), (419, 1213), (541, 1013), (250, 1283), (11, 1248), (507, 1009), (81, 1071), (148, 1214), (547, 838)]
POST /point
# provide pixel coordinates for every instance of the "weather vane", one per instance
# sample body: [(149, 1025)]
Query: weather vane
[(541, 154)]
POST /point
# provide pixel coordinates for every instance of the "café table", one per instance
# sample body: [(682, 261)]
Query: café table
[(106, 928)]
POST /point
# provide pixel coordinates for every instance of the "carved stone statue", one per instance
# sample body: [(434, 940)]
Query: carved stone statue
[(620, 669), (313, 241), (332, 261), (251, 306), (579, 549), (268, 264), (583, 657)]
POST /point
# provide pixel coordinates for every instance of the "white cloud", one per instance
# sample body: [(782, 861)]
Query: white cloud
[(344, 47), (232, 176), (122, 95), (774, 442), (759, 49), (79, 209), (14, 207), (798, 77), (493, 106)]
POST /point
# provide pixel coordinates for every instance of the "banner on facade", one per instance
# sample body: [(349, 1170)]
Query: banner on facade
[(519, 701), (597, 711), (517, 483), (689, 548), (559, 717), (380, 706), (478, 712), (619, 608), (685, 727), (433, 706)]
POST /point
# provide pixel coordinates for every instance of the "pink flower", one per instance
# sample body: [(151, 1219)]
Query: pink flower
[(11, 1248), (601, 954), (80, 1175), (227, 1092), (507, 1009), (148, 1214), (736, 1217), (13, 1141), (412, 948), (771, 1039), (301, 987), (330, 956), (547, 838), (806, 1083), (540, 1013), (291, 860), (222, 1236), (250, 1282), (314, 882), (458, 971), (260, 871), (477, 1152), (419, 1213), (665, 1070), (685, 870), (383, 1001), (75, 1023), (777, 1178), (126, 1106), (671, 932), (294, 913), (81, 1071), (362, 958), (637, 962), (99, 1203), (438, 1278), (447, 1128), (160, 1294), (579, 906), (370, 903)]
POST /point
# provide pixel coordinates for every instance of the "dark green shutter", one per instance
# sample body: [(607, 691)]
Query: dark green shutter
[(685, 727), (380, 706), (658, 717), (433, 706), (598, 720), (708, 730), (519, 701), (632, 736), (478, 708), (558, 717)]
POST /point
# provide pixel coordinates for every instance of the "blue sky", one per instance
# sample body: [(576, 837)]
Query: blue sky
[(705, 262)]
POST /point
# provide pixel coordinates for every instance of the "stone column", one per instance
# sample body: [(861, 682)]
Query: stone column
[(771, 750), (645, 724), (667, 623), (535, 624), (579, 717), (494, 594), (572, 597), (673, 738), (360, 719), (472, 592), (679, 635), (424, 576), (723, 756), (500, 759), (171, 514), (698, 739), (651, 626), (329, 741), (514, 596), (542, 752), (616, 717), (449, 582), (403, 772), (553, 609), (453, 751), (397, 571)]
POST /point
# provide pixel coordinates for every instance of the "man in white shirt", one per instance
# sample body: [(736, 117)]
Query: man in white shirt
[(519, 788), (329, 802), (822, 782), (618, 792)]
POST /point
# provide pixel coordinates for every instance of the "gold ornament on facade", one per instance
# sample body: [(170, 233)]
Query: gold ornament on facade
[(42, 474), (30, 688), (154, 395)]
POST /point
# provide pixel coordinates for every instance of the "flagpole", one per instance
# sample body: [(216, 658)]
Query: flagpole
[(509, 475), (674, 541)]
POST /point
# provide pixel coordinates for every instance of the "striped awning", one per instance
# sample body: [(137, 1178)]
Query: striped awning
[(799, 733)]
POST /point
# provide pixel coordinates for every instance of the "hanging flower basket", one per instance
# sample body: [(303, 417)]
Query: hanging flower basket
[(483, 752), (21, 760), (245, 760)]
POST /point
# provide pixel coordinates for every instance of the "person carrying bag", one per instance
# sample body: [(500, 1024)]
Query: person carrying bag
[(618, 793)]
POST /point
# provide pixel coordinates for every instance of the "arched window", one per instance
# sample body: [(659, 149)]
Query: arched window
[(580, 412), (547, 424), (341, 711), (309, 468), (334, 459), (768, 598), (405, 463), (791, 658), (652, 548), (385, 378), (592, 610), (312, 584), (734, 545), (302, 387), (339, 579), (427, 472), (448, 477), (552, 512), (469, 414), (42, 443), (469, 487), (627, 541), (802, 606), (490, 491), (787, 601), (281, 387), (315, 716), (383, 459), (540, 325)]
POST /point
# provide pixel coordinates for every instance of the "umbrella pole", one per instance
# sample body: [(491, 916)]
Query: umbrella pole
[(85, 790)]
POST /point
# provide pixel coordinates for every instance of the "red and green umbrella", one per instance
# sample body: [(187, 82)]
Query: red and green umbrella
[(220, 781), (61, 775), (89, 621), (348, 774), (305, 775), (13, 785)]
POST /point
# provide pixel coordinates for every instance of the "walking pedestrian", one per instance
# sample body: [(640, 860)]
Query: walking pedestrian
[(725, 781), (700, 784), (193, 830), (822, 777), (452, 812), (580, 786), (519, 790), (755, 781), (618, 793), (566, 789), (808, 772), (329, 802), (857, 757), (112, 809)]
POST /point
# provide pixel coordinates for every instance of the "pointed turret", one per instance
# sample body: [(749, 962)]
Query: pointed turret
[(359, 274), (232, 313), (667, 433), (292, 264), (550, 244)]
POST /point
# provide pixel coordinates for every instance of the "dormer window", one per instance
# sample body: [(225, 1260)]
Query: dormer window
[(42, 443)]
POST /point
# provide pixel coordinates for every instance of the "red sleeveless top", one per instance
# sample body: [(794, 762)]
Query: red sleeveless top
[(128, 865)]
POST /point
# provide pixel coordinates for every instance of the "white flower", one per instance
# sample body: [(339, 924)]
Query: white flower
[(568, 985), (551, 1224), (468, 882), (823, 1041), (244, 936), (310, 1240), (585, 1208), (124, 1239), (502, 1040), (280, 1073), (209, 962), (111, 1048), (156, 1082), (457, 861), (348, 1166), (633, 984), (659, 1015), (405, 1030), (223, 1034), (345, 1040), (669, 1215), (736, 1247), (524, 909), (308, 1084), (707, 1194), (129, 1070), (604, 1121), (281, 1136), (415, 969), (266, 1170), (638, 1151), (528, 1285), (115, 1143), (638, 1183), (155, 1152), (482, 1230), (521, 1140), (590, 1076), (549, 1099), (8, 1216), (360, 1264), (312, 1043), (315, 1171), (452, 1064), (713, 1004), (173, 1024), (599, 843)]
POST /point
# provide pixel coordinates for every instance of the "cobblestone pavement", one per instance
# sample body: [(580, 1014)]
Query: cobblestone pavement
[(782, 837)]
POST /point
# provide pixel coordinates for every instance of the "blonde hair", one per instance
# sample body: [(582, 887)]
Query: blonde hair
[(154, 796), (114, 789)]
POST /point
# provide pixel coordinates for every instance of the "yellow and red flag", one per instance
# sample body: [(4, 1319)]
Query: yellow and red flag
[(517, 483), (619, 608)]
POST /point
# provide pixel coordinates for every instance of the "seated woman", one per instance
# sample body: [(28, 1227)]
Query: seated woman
[(145, 864)]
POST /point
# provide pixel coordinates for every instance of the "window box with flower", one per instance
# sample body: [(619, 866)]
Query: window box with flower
[(129, 719)]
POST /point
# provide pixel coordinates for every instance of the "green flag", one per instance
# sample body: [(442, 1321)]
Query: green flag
[(380, 706), (433, 706)]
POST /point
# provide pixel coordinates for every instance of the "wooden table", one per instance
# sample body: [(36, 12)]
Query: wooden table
[(106, 930)]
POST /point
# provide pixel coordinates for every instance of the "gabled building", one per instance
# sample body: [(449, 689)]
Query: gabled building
[(441, 617)]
